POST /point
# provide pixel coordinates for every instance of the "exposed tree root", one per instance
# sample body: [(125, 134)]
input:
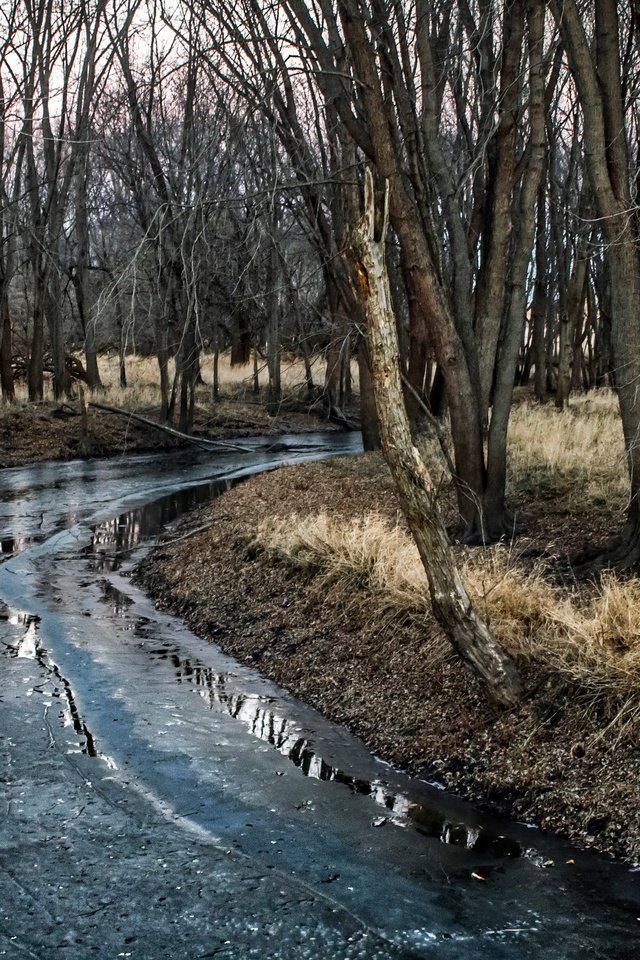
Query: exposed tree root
[(622, 555)]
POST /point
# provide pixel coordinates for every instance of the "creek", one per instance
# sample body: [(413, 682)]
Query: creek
[(160, 800)]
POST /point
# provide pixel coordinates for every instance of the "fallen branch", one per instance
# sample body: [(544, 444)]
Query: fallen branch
[(196, 441), (192, 533)]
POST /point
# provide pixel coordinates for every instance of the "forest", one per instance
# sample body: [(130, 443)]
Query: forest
[(320, 478), (180, 178), (185, 180)]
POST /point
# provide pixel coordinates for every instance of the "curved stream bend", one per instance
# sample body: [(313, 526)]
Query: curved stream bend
[(163, 801)]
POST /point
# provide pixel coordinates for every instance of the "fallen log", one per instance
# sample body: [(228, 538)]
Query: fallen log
[(196, 441)]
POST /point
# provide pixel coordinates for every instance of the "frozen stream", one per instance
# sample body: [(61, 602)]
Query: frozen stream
[(159, 800)]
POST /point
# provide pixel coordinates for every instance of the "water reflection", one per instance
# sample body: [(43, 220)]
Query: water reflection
[(112, 540), (118, 601), (259, 716), (29, 647), (9, 546)]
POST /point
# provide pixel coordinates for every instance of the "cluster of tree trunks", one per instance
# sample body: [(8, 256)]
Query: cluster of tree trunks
[(452, 607)]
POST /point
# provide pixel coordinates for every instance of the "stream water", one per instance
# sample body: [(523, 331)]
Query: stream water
[(161, 800)]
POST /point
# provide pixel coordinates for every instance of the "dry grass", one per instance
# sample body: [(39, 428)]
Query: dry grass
[(366, 554), (588, 638), (576, 456), (237, 381), (143, 390), (590, 643)]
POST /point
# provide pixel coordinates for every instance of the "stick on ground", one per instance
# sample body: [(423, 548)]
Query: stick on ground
[(196, 441)]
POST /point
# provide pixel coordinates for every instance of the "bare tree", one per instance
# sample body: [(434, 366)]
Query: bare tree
[(597, 72), (11, 161), (454, 146)]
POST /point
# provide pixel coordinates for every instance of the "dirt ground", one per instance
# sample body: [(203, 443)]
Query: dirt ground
[(546, 763)]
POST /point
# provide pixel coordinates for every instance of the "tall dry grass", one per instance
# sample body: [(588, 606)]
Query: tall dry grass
[(143, 381), (576, 456), (236, 381), (589, 643), (588, 639)]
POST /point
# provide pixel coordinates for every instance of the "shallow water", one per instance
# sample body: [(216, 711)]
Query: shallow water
[(163, 800)]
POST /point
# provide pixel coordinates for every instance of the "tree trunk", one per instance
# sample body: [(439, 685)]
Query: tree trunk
[(256, 373), (498, 519), (570, 318), (6, 370), (502, 180), (304, 350), (539, 306), (346, 387), (423, 278), (55, 322), (452, 607), (162, 352), (368, 413), (274, 390), (215, 374), (35, 378), (600, 88)]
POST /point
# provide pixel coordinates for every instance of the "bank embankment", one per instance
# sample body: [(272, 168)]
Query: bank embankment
[(307, 574), (32, 433)]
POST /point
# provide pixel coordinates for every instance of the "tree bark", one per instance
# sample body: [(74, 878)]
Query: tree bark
[(274, 349), (452, 607), (497, 518), (423, 278), (600, 88), (539, 306), (502, 180), (368, 413), (6, 371)]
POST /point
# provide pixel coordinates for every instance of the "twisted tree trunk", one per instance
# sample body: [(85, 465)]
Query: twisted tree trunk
[(452, 607)]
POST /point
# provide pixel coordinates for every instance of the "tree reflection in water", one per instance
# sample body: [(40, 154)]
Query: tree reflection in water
[(257, 715)]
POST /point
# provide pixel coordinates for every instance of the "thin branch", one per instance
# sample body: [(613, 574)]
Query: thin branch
[(196, 441)]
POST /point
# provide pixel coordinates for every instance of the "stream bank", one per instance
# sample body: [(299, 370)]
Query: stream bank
[(42, 432), (546, 763), (226, 817)]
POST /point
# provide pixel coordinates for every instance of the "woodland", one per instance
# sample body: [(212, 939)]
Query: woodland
[(185, 179)]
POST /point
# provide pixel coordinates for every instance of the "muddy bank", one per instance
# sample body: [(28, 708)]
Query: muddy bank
[(51, 431), (546, 763)]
